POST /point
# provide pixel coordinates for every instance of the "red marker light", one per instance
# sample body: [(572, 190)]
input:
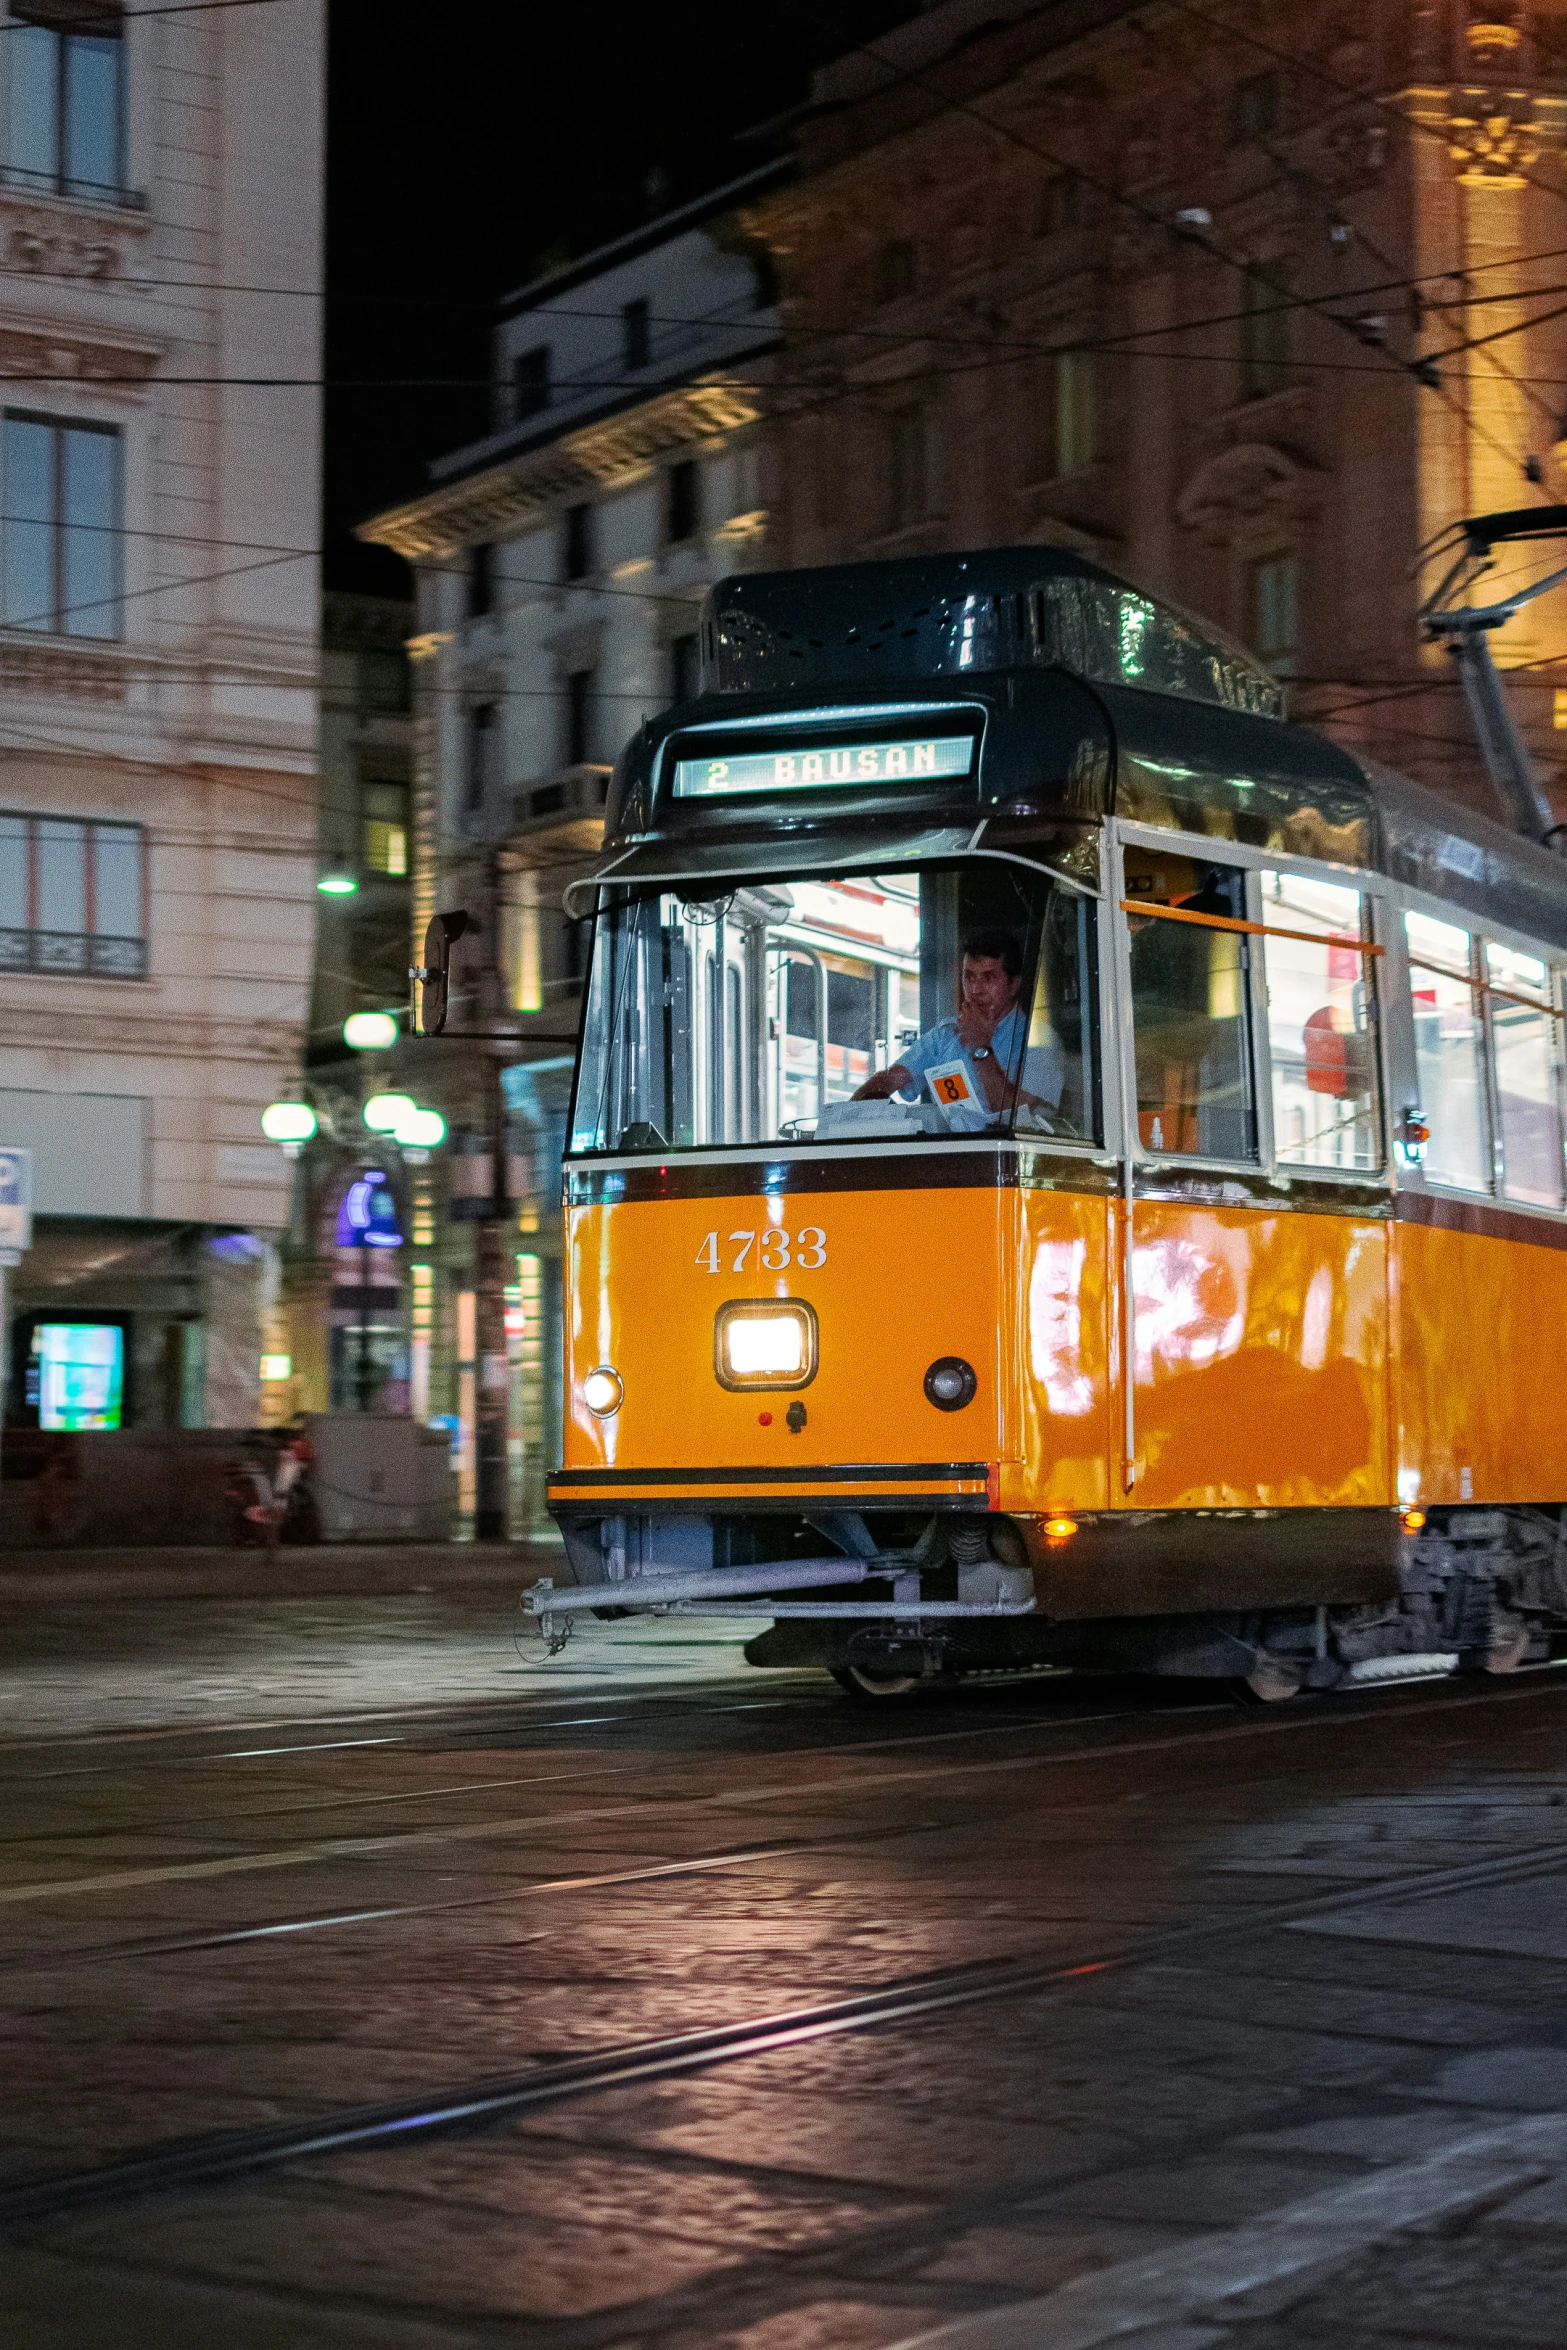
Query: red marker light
[(764, 1419)]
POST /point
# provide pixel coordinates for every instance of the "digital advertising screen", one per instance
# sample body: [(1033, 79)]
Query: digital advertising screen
[(81, 1374)]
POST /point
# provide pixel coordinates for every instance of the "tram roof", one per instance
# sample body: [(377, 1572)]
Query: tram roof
[(1182, 701), (927, 616)]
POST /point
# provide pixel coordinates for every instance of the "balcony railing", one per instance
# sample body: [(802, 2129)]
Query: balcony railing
[(53, 183), (73, 951)]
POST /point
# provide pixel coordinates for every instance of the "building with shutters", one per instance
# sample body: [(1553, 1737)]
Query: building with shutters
[(160, 229)]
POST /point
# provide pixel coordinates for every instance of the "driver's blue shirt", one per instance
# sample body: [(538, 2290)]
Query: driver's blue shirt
[(1043, 1071)]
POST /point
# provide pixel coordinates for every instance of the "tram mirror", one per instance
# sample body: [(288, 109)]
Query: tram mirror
[(434, 974)]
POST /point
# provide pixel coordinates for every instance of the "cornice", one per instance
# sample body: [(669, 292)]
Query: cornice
[(65, 237), (30, 1025), (607, 455), (52, 348)]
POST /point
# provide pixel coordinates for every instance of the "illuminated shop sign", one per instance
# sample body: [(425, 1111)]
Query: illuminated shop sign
[(820, 769)]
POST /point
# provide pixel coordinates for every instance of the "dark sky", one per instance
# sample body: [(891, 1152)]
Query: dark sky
[(471, 143)]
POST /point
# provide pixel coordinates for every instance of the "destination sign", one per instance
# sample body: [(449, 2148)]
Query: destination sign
[(818, 770)]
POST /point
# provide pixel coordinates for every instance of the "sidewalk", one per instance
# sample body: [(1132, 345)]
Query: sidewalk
[(328, 1570)]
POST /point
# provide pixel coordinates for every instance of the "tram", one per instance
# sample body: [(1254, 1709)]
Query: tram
[(1066, 1167)]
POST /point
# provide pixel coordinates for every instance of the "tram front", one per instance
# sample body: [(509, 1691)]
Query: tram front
[(838, 1213)]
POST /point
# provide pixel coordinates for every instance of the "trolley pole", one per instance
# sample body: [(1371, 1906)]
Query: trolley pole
[(492, 1272)]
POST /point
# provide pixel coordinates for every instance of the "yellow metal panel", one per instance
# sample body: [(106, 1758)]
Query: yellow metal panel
[(1062, 1425), (1261, 1359), (903, 1277), (1480, 1406)]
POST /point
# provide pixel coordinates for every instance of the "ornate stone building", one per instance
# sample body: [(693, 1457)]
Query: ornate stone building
[(560, 565), (1234, 298), (160, 217)]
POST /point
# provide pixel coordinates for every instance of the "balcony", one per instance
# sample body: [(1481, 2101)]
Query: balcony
[(75, 953), (75, 191)]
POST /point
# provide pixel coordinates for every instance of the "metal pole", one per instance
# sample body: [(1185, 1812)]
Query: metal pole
[(365, 1373), (491, 1522)]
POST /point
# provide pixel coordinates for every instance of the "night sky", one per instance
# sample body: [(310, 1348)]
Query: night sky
[(473, 144)]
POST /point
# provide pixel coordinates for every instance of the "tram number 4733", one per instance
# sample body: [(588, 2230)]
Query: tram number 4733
[(807, 1250)]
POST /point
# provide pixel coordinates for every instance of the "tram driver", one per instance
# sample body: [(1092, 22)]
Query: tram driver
[(987, 1040)]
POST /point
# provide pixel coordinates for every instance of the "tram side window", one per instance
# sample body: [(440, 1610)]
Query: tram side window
[(1449, 1052), (1321, 1026), (1525, 1049), (1063, 1026), (1191, 1015)]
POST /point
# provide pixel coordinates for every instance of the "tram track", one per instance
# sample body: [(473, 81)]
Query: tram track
[(327, 1850), (195, 2164)]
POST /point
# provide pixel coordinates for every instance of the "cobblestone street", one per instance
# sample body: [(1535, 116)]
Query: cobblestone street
[(1054, 2013)]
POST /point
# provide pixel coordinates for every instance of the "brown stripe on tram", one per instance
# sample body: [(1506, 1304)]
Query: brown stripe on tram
[(894, 1170), (822, 1473), (1480, 1218)]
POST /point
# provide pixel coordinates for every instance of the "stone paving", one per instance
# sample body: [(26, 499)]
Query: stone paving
[(1312, 2089)]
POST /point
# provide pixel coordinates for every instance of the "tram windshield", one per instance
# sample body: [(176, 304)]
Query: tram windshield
[(858, 1007)]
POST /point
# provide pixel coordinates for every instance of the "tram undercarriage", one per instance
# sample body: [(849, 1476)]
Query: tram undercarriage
[(940, 1596)]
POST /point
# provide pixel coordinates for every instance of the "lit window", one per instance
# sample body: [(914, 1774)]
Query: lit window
[(1449, 1052), (385, 812), (60, 526), (1191, 1010), (65, 69), (1524, 1052), (1321, 1035)]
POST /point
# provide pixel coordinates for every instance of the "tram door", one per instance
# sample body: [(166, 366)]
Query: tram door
[(1257, 1334)]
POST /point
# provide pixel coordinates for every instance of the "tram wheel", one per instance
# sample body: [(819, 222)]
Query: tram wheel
[(1268, 1685), (874, 1688)]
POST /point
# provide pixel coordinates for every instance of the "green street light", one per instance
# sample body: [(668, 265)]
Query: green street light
[(337, 885), (292, 1124), (384, 1112), (420, 1130)]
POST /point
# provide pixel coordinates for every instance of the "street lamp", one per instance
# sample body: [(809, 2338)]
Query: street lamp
[(384, 1113), (420, 1130), (292, 1124), (370, 1032)]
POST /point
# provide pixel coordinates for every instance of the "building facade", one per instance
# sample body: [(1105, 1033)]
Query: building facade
[(1235, 299), (160, 221), (560, 566)]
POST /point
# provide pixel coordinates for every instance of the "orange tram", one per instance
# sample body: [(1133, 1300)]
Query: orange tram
[(1066, 1167)]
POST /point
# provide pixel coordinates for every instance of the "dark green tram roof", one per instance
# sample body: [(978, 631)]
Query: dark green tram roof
[(870, 624), (1190, 725)]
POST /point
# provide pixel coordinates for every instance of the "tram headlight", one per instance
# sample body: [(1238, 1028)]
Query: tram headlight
[(603, 1391), (765, 1342)]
